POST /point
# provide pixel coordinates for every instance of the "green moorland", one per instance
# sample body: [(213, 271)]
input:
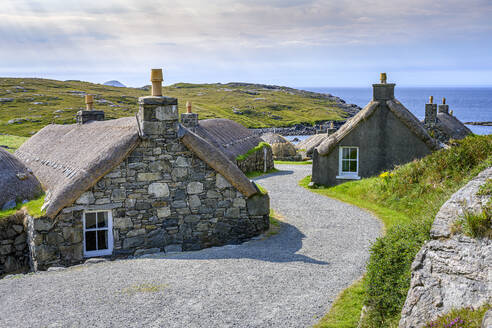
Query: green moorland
[(30, 104), (11, 142), (406, 200), (33, 207)]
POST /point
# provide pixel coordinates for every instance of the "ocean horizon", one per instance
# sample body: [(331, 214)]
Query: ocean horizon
[(469, 104)]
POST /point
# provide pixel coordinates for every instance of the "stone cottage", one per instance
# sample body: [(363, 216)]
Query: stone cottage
[(283, 149), (235, 141), (441, 124), (380, 136), (136, 185)]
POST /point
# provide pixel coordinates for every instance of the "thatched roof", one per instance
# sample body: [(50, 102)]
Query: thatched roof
[(403, 114), (273, 138), (453, 127), (217, 160), (69, 159), (16, 181), (312, 142), (231, 138)]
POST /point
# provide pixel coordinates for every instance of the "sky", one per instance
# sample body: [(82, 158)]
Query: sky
[(310, 43)]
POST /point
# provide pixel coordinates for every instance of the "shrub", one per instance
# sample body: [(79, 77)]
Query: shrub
[(466, 318), (388, 274), (478, 225)]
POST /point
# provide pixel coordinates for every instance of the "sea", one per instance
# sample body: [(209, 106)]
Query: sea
[(469, 104)]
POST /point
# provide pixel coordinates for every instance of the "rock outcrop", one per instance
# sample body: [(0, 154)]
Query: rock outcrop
[(451, 270)]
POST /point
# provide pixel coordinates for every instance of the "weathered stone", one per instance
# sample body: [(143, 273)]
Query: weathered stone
[(194, 187), (239, 202), (451, 270), (173, 248), (179, 172), (122, 223), (86, 198), (179, 204), (9, 205), (258, 205), (163, 212), (72, 253), (232, 212), (43, 224), (160, 166), (191, 218), (18, 228), (213, 194), (148, 176), (11, 264), (166, 113), (140, 252), (45, 253), (221, 182), (134, 241), (102, 201), (54, 238), (5, 249), (487, 319), (194, 201), (201, 226), (118, 194), (159, 189), (134, 233), (20, 239)]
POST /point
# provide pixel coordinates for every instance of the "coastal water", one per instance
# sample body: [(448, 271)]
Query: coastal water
[(471, 104)]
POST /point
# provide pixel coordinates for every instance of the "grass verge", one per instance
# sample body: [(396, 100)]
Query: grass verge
[(33, 207), (406, 200), (466, 317), (275, 224)]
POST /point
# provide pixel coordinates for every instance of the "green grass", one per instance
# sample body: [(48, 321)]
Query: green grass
[(275, 224), (466, 317), (345, 311), (255, 174), (33, 207), (294, 162), (252, 151), (12, 142), (42, 102), (406, 200), (475, 224), (144, 288)]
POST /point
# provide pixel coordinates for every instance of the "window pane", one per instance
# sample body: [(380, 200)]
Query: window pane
[(353, 153), (102, 219), (353, 166), (102, 239), (90, 241), (90, 220), (345, 166), (345, 153)]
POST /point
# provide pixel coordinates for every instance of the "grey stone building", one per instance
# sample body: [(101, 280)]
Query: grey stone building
[(380, 136), (136, 185), (441, 124)]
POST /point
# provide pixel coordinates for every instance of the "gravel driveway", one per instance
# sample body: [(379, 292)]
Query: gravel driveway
[(288, 280)]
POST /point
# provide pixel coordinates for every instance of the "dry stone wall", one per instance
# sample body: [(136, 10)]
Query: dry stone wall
[(256, 161), (451, 270), (14, 254)]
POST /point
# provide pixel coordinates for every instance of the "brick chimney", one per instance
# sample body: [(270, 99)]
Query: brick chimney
[(157, 115), (189, 119), (430, 112), (383, 91), (89, 114), (443, 108)]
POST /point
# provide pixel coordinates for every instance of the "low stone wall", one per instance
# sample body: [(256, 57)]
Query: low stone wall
[(14, 254), (451, 270), (256, 161)]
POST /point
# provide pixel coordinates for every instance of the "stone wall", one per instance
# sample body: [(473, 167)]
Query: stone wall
[(162, 197), (14, 254), (256, 161), (451, 270)]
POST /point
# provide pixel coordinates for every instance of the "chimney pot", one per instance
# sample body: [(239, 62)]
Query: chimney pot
[(383, 78), (89, 102), (431, 99), (156, 79), (443, 101), (188, 107)]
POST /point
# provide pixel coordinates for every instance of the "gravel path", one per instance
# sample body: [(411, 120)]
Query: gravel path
[(288, 280)]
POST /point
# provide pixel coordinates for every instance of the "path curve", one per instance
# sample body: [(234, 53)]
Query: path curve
[(288, 280)]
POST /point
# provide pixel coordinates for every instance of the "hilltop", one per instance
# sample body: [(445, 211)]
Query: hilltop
[(28, 104)]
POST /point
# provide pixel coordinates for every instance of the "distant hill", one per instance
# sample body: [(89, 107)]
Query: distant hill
[(27, 105), (114, 83)]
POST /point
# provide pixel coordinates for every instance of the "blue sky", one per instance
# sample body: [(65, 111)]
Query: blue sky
[(286, 42)]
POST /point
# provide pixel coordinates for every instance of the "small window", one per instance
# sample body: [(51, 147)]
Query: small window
[(349, 163), (98, 233)]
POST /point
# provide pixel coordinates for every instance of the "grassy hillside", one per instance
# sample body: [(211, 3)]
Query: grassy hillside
[(11, 143), (26, 105), (406, 200)]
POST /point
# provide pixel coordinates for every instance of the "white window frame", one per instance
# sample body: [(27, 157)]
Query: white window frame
[(347, 175), (102, 252)]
